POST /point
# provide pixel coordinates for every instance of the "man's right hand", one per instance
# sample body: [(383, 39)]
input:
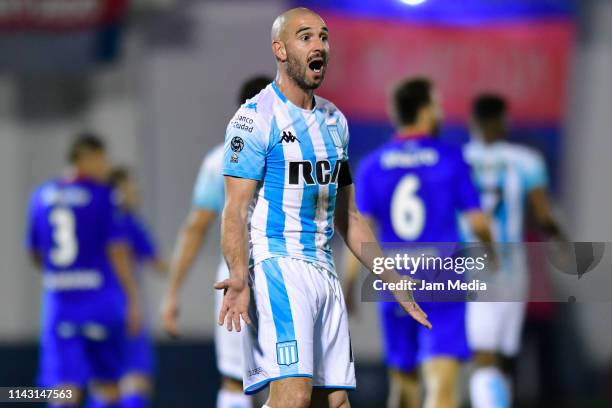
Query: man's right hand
[(236, 298), (407, 302), (414, 310), (170, 313)]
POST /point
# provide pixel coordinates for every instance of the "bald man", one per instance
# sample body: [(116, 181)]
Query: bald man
[(286, 158)]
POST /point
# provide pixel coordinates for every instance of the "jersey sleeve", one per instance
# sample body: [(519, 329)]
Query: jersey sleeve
[(142, 243), (245, 146), (467, 195), (345, 137), (364, 187), (533, 171), (32, 241), (208, 189)]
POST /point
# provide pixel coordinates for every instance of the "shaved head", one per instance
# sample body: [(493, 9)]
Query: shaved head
[(301, 48), (288, 18)]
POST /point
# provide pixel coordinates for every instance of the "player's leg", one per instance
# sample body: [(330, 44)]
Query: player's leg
[(278, 346), (229, 361), (103, 394), (404, 390), (511, 342), (106, 348), (329, 398), (136, 385), (441, 377), (488, 385), (441, 352), (400, 347), (290, 392), (136, 389), (231, 394), (73, 391), (62, 361)]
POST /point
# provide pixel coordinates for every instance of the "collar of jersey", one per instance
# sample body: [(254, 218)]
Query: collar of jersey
[(75, 178), (288, 102), (402, 137)]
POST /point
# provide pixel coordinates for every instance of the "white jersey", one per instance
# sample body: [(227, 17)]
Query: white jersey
[(208, 191), (296, 155), (505, 173)]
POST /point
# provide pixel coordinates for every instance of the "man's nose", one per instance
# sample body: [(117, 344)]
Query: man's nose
[(318, 45)]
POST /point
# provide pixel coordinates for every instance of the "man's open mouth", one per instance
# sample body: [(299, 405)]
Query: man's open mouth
[(316, 65)]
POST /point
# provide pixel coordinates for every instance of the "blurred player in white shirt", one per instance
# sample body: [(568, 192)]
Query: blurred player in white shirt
[(511, 178), (207, 204)]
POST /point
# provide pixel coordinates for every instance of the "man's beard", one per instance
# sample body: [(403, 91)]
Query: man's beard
[(297, 72)]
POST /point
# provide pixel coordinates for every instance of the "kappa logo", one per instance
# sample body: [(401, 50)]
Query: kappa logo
[(288, 137)]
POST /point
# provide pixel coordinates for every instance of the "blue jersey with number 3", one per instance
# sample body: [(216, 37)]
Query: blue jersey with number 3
[(414, 188), (71, 223)]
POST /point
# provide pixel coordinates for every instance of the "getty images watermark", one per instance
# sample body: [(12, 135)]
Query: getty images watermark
[(535, 271), (424, 263)]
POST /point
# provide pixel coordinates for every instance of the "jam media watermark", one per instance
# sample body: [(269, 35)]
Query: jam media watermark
[(568, 271)]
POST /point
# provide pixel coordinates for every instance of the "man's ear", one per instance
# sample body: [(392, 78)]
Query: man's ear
[(278, 48)]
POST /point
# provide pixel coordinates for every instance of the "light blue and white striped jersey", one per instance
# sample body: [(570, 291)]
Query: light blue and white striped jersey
[(296, 155), (505, 173), (208, 191)]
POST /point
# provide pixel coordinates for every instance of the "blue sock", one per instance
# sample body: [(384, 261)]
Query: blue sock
[(135, 401), (96, 402)]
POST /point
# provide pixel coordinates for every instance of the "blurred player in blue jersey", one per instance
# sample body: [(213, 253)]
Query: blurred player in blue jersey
[(285, 163), (510, 178), (77, 237), (207, 204), (136, 383), (412, 188)]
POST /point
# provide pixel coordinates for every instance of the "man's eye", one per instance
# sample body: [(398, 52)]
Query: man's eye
[(306, 37), (324, 38)]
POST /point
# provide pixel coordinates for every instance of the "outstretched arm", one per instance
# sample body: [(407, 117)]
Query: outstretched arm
[(234, 243), (355, 231)]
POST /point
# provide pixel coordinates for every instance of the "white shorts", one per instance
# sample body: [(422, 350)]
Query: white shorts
[(300, 326), (495, 326), (227, 344)]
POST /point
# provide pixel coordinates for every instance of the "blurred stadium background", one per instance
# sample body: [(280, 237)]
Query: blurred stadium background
[(158, 79)]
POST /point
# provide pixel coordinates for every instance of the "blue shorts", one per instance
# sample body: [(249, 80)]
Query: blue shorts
[(78, 345), (139, 351), (408, 344)]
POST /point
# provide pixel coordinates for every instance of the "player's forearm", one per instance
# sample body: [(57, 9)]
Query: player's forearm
[(234, 242), (480, 224), (361, 241), (119, 255), (36, 259), (185, 254), (351, 268), (542, 210)]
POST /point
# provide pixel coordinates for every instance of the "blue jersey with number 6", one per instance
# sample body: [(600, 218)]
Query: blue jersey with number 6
[(414, 188)]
